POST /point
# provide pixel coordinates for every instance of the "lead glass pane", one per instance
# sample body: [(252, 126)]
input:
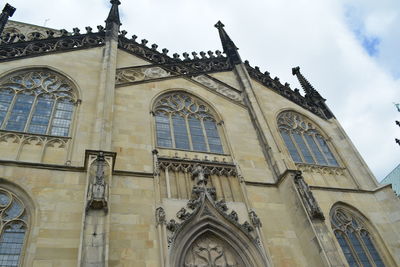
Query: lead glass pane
[(346, 249), (180, 132), (196, 132), (315, 150), (327, 152), (358, 249), (303, 147), (11, 242), (291, 147), (41, 115), (371, 249), (62, 118), (20, 112), (163, 130), (5, 100), (212, 136)]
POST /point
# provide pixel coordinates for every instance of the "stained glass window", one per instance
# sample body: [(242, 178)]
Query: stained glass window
[(184, 122), (354, 239), (38, 102), (303, 141), (13, 228)]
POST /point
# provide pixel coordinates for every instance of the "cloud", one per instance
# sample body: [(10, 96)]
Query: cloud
[(353, 61)]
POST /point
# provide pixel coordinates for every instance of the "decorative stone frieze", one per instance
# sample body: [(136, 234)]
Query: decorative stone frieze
[(307, 197), (139, 74), (188, 166), (219, 87), (332, 170)]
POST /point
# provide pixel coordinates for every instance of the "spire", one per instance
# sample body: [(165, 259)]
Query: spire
[(312, 95), (113, 16), (229, 47), (306, 85), (8, 11)]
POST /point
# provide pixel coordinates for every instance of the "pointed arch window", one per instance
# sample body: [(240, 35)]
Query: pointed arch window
[(354, 239), (184, 122), (14, 227), (37, 101), (303, 140)]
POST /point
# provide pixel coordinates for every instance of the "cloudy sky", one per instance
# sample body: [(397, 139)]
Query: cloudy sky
[(348, 49)]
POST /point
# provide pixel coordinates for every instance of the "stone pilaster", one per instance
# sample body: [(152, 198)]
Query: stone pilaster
[(309, 222)]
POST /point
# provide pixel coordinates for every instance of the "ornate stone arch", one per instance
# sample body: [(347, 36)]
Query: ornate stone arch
[(49, 99), (18, 217), (211, 236), (305, 141), (184, 121), (358, 238)]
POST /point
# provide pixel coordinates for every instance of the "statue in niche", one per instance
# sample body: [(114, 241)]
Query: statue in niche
[(210, 251), (307, 196), (98, 188), (200, 175)]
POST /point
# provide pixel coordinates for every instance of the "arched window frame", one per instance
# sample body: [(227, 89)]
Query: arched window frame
[(52, 102), (194, 113), (351, 230), (305, 143), (10, 215)]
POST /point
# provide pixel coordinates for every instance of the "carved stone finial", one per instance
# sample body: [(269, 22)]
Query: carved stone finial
[(113, 15), (312, 94), (8, 11), (76, 31), (234, 216), (229, 47), (172, 225), (254, 219), (182, 214), (88, 29)]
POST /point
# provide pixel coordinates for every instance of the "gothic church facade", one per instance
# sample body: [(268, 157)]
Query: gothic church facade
[(113, 153)]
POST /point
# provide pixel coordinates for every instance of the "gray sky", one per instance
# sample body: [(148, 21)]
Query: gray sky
[(348, 49)]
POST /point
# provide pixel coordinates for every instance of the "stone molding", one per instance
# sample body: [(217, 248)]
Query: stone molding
[(187, 166), (304, 167)]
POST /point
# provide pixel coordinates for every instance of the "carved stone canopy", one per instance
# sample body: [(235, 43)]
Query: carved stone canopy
[(209, 236)]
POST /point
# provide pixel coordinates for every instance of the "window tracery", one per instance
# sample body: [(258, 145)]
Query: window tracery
[(14, 226), (37, 101), (355, 239), (184, 122), (303, 140)]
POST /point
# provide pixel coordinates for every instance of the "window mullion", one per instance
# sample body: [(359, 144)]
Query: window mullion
[(53, 110), (297, 147), (189, 133), (320, 148), (309, 148), (28, 120), (353, 251), (171, 129), (365, 248), (8, 114), (205, 134)]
